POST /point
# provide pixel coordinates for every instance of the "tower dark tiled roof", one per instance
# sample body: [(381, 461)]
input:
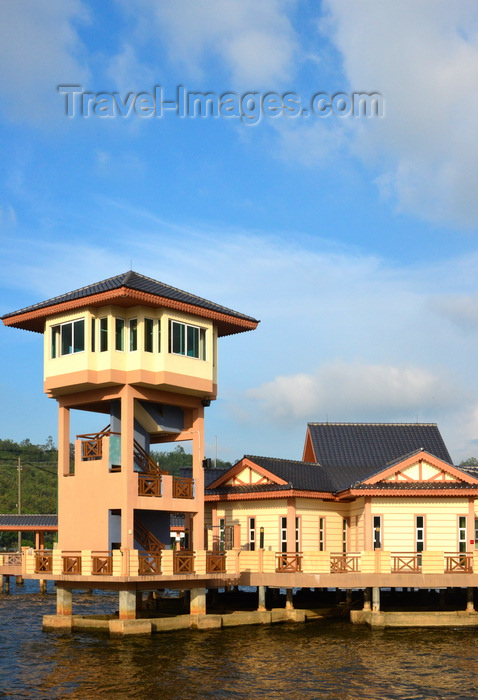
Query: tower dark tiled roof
[(138, 283)]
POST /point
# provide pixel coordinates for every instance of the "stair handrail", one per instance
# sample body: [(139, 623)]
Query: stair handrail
[(142, 458)]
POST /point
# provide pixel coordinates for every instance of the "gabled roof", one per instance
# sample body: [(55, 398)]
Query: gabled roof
[(130, 289), (368, 447), (291, 475)]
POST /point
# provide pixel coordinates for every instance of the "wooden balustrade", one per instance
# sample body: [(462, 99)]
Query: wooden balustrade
[(71, 562), (182, 487), (43, 561), (92, 444), (149, 485), (149, 564), (289, 562), (183, 562), (215, 562), (406, 563), (458, 562), (102, 563), (13, 559), (344, 563)]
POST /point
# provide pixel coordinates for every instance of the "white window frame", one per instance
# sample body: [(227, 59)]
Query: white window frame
[(186, 346), (252, 533), (56, 338)]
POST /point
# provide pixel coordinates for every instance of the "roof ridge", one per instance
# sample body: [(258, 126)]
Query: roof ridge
[(368, 424), (279, 459)]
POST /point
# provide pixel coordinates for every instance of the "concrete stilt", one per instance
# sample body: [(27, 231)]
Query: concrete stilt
[(198, 601), (261, 598), (348, 596), (470, 603), (289, 601), (64, 602), (367, 599), (7, 585), (19, 580), (2, 582), (442, 597), (127, 604), (42, 583), (375, 599)]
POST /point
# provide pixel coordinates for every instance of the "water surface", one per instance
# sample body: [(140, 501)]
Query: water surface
[(330, 660)]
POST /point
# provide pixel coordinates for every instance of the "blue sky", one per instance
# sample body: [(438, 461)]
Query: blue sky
[(354, 240)]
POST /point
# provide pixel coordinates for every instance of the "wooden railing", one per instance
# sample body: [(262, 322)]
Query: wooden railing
[(101, 563), (182, 487), (149, 564), (145, 462), (215, 562), (147, 539), (458, 562), (71, 562), (149, 485), (92, 444), (406, 563), (344, 563), (288, 562), (11, 559), (183, 562), (43, 561)]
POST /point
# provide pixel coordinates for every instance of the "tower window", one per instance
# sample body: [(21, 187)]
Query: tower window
[(187, 340), (68, 338)]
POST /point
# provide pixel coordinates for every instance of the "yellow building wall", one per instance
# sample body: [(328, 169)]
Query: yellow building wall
[(398, 522)]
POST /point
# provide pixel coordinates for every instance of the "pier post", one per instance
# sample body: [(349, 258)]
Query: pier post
[(261, 598), (127, 604), (470, 603), (42, 583), (375, 599), (64, 603), (289, 601), (198, 601), (367, 599), (7, 585), (348, 596)]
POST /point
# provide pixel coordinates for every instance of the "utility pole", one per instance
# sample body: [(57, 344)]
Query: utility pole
[(19, 504)]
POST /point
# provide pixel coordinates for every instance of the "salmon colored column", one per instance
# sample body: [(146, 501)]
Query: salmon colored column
[(197, 430), (127, 467), (471, 524), (63, 440), (291, 524)]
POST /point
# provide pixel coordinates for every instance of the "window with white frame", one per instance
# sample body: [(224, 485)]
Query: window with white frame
[(345, 531), (119, 333), (297, 534), (462, 533), (148, 334), (103, 334), (68, 338), (321, 534), (133, 334), (377, 532), (419, 533), (187, 340), (252, 534), (283, 534)]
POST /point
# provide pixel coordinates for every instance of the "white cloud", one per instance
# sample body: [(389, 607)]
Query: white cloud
[(39, 49), (423, 58), (254, 41), (356, 391)]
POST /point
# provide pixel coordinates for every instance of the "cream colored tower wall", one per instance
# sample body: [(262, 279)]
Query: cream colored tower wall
[(398, 522), (127, 360)]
